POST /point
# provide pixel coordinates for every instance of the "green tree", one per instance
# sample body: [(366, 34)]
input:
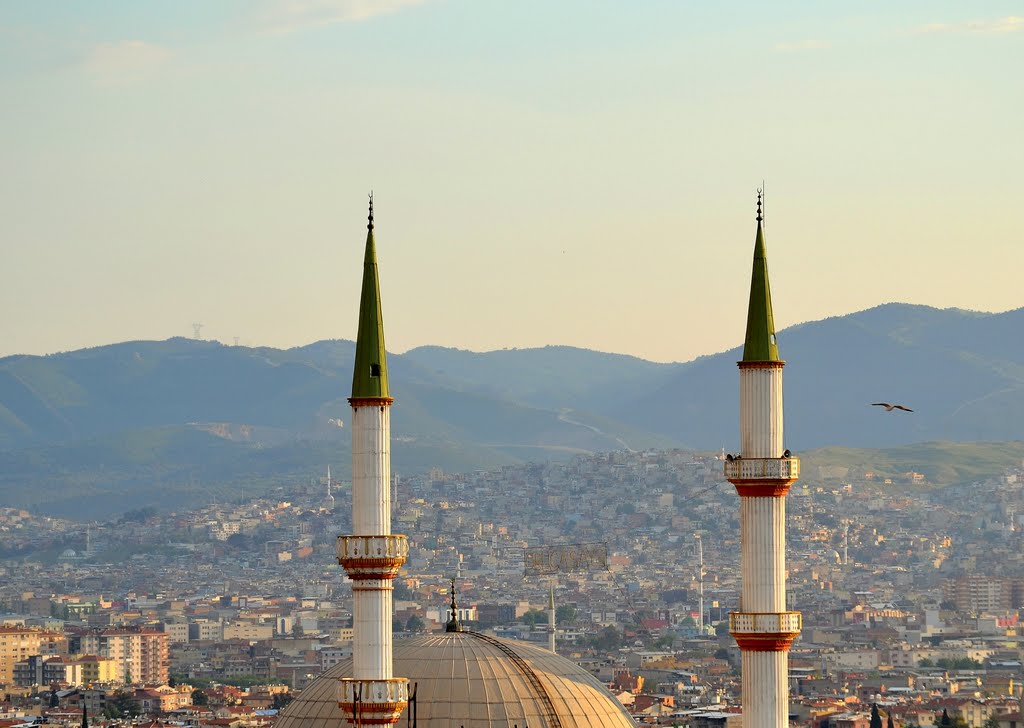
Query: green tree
[(566, 614), (415, 624), (876, 718), (664, 643), (281, 700), (608, 638), (200, 698), (124, 705), (532, 617), (944, 720)]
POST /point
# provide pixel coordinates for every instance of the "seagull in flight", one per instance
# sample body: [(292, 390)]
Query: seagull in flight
[(891, 407)]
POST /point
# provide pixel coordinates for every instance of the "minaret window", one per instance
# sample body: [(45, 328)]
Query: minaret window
[(375, 370)]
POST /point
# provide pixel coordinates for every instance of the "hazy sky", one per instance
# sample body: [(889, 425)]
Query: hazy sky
[(557, 172)]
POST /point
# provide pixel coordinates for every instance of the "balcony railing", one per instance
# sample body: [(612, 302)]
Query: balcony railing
[(377, 702), (392, 546), (762, 469), (765, 622)]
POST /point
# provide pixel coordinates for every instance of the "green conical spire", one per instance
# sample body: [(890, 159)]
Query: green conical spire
[(370, 375), (759, 344)]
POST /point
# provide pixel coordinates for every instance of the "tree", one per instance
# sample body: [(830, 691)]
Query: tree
[(566, 614), (889, 723), (200, 698), (280, 700), (122, 704), (664, 643), (944, 721), (608, 638), (533, 617), (876, 718), (415, 624)]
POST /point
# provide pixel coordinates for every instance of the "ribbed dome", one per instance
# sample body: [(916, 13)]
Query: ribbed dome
[(473, 680)]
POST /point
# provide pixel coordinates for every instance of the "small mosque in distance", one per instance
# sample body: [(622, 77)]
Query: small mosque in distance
[(464, 679)]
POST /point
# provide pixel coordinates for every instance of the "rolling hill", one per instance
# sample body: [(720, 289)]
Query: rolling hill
[(176, 420)]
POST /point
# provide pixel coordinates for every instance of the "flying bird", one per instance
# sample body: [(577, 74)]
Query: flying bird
[(787, 454), (891, 407)]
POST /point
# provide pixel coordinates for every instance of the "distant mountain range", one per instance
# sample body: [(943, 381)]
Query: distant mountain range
[(139, 423)]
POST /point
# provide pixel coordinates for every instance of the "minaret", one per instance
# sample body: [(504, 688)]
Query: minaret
[(551, 617), (762, 474), (329, 498), (372, 557), (700, 584)]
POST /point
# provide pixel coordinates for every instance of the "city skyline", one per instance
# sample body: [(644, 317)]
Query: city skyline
[(580, 175)]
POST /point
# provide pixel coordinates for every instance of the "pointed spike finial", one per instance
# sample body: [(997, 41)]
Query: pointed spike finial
[(453, 622), (760, 192), (369, 225)]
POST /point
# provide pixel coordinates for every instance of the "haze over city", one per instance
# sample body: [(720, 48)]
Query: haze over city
[(545, 173)]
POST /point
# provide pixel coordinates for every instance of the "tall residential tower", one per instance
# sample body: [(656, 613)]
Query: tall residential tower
[(372, 557), (762, 474)]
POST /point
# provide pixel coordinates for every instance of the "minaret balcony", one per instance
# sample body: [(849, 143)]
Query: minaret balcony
[(765, 631), (373, 702), (762, 476), (372, 557)]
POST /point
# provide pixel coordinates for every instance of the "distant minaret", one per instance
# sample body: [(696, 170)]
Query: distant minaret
[(762, 474), (700, 583), (372, 558), (328, 504), (551, 617)]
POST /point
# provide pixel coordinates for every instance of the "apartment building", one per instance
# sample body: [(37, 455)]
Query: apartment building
[(19, 643), (140, 655)]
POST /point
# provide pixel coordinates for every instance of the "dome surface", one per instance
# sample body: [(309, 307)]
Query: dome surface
[(470, 680)]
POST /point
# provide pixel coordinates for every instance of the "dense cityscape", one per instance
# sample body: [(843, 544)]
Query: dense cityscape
[(909, 595)]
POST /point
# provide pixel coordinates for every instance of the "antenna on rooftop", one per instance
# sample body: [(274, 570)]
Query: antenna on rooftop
[(196, 328), (236, 341)]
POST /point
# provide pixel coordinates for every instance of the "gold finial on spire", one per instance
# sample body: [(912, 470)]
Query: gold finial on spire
[(369, 225), (760, 191)]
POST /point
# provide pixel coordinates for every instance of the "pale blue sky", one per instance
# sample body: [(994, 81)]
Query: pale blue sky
[(560, 172)]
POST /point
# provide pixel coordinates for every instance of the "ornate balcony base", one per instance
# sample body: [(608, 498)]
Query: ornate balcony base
[(765, 631), (373, 702), (372, 557), (762, 477)]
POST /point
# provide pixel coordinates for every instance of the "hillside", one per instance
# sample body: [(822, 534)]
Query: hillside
[(942, 463), (158, 417), (961, 372)]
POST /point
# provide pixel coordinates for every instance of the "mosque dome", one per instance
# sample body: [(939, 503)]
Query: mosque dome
[(470, 679)]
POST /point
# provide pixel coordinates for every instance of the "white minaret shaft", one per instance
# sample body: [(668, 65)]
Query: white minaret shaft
[(762, 474), (761, 428), (371, 470), (551, 618), (700, 584), (371, 516), (373, 556)]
